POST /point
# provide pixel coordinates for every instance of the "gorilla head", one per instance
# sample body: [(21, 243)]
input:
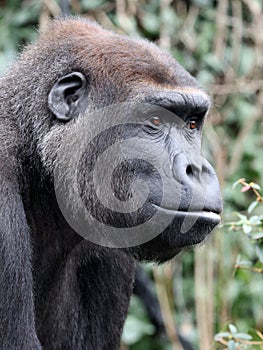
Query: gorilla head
[(100, 135), (128, 122)]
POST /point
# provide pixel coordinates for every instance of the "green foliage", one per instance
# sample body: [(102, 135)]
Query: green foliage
[(91, 4), (251, 260), (138, 332), (16, 28), (235, 340), (137, 324), (252, 226)]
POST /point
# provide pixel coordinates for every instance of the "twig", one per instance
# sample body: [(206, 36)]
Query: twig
[(258, 195), (245, 131), (165, 39), (239, 86), (220, 37), (166, 309)]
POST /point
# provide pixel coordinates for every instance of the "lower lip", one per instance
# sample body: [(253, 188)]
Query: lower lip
[(205, 215)]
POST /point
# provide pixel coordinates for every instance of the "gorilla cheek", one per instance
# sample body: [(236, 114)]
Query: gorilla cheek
[(123, 178)]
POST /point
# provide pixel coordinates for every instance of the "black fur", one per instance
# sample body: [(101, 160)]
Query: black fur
[(58, 291)]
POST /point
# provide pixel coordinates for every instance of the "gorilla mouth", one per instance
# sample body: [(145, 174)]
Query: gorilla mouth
[(186, 229), (203, 215)]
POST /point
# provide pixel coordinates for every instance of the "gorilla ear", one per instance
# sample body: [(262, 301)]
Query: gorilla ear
[(68, 96)]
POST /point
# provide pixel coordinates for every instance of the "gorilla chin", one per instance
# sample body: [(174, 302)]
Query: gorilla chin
[(186, 230)]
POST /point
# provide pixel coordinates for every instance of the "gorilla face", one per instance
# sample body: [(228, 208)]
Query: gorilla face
[(129, 171)]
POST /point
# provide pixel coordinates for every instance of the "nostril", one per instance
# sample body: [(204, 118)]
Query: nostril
[(189, 171)]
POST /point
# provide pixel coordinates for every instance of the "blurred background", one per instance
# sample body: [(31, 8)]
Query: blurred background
[(218, 287)]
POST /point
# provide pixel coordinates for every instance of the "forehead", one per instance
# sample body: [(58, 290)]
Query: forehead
[(110, 55)]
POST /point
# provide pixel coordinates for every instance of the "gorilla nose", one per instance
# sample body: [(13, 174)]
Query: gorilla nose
[(200, 188), (185, 170)]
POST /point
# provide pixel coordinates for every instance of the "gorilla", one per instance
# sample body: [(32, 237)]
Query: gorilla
[(61, 287)]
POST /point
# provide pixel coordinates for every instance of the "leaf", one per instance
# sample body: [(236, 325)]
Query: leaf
[(243, 336), (252, 206), (259, 265), (221, 335), (255, 334), (257, 235), (245, 188), (245, 263), (235, 184), (242, 217), (255, 186), (247, 228), (135, 329), (232, 328), (254, 220), (231, 345)]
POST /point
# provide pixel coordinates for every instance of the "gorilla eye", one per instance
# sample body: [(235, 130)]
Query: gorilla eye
[(153, 125), (156, 121), (192, 124)]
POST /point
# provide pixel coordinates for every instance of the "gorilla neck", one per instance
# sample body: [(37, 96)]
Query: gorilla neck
[(75, 280)]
